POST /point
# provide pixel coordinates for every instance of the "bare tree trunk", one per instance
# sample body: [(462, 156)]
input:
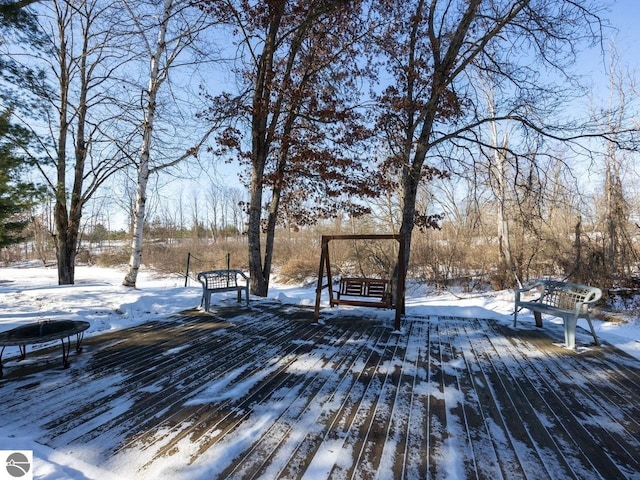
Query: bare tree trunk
[(611, 217), (155, 80), (504, 241), (67, 219), (261, 139), (65, 251), (64, 254), (259, 284), (578, 270), (274, 206), (138, 224), (410, 183)]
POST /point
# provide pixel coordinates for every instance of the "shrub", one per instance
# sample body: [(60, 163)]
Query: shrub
[(299, 270)]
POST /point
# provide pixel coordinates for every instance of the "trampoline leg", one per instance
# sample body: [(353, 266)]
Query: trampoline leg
[(79, 338), (65, 352)]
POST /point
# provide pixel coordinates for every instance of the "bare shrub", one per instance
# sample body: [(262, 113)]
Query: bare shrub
[(114, 257), (85, 257), (501, 278), (300, 270)]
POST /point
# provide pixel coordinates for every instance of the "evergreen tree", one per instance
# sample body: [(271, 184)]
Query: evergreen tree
[(16, 196), (20, 87)]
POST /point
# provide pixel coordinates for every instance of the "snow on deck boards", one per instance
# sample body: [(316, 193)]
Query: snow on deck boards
[(266, 393)]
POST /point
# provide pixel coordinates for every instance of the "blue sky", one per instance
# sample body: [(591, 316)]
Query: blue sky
[(624, 17)]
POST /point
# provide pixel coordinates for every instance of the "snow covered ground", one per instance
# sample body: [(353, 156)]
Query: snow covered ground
[(30, 294)]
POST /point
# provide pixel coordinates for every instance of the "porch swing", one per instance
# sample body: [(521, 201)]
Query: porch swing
[(362, 291)]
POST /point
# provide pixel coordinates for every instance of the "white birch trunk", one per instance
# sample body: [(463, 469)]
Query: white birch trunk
[(155, 80), (499, 169), (503, 219)]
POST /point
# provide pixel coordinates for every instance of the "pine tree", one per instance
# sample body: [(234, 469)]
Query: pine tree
[(16, 196), (20, 86)]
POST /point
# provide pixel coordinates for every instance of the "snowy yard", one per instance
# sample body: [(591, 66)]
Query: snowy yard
[(265, 392)]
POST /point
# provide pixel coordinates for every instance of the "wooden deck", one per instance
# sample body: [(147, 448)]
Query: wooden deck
[(273, 395)]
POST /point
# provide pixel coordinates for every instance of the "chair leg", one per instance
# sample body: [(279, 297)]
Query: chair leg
[(570, 323), (207, 300), (593, 332)]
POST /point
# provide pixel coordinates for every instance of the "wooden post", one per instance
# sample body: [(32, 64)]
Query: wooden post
[(400, 291), (324, 250), (186, 275), (327, 261)]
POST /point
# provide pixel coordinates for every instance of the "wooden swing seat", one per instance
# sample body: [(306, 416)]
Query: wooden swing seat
[(365, 292), (363, 289)]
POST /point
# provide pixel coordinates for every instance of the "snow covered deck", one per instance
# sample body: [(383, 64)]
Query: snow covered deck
[(270, 394)]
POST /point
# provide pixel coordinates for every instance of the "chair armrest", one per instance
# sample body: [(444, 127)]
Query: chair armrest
[(531, 287), (594, 295), (528, 288), (243, 275)]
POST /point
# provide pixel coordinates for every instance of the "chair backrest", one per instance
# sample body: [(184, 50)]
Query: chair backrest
[(364, 287), (567, 296), (214, 279)]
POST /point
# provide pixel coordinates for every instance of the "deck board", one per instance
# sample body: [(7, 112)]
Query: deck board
[(267, 393)]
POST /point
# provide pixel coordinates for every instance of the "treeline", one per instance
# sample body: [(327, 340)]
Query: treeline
[(559, 238)]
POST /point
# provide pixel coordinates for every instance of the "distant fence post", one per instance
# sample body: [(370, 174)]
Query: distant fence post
[(186, 275)]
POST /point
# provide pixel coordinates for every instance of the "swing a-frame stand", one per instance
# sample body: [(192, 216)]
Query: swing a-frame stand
[(364, 292)]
